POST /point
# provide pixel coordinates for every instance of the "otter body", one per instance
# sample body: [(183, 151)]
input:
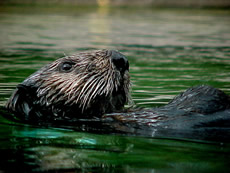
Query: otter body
[(201, 112), (90, 89)]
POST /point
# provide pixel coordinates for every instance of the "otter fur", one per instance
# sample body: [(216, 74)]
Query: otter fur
[(91, 88)]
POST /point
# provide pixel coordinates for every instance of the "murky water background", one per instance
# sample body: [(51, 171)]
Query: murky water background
[(169, 51)]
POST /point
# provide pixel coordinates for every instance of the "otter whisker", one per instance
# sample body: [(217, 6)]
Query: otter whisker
[(84, 95), (76, 83), (93, 92), (63, 87), (86, 86), (96, 92), (88, 83)]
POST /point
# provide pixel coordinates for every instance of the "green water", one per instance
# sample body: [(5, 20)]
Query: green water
[(169, 50)]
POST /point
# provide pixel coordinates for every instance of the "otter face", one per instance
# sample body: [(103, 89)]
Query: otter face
[(84, 85)]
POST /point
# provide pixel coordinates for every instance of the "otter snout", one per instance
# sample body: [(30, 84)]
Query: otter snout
[(119, 60)]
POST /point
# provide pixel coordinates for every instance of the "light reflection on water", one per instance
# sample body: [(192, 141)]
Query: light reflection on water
[(168, 50)]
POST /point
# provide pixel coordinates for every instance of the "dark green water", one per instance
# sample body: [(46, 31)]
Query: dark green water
[(168, 50)]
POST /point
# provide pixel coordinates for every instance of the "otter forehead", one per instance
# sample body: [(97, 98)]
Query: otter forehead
[(89, 61)]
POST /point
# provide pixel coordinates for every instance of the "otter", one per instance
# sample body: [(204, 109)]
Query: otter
[(89, 90)]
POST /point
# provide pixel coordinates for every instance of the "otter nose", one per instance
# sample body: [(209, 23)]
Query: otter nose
[(119, 60)]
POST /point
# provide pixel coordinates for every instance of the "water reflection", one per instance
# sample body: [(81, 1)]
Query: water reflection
[(103, 3), (40, 149), (99, 25)]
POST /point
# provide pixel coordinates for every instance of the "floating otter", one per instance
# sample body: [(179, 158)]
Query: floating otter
[(90, 90)]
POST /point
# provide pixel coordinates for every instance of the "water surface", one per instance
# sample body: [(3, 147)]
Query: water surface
[(168, 50)]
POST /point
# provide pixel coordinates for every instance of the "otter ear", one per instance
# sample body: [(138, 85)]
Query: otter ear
[(20, 103)]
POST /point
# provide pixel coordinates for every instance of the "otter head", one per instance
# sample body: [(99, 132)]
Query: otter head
[(85, 85)]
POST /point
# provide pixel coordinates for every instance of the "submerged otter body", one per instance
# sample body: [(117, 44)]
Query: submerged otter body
[(89, 90)]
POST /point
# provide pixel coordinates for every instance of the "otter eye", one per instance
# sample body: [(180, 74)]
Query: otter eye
[(66, 66)]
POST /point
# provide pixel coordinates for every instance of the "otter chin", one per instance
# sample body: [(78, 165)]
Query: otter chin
[(84, 85), (89, 91)]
